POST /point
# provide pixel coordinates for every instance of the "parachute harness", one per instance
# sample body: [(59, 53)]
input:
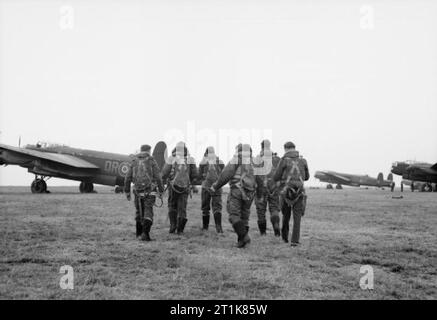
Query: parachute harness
[(292, 195), (156, 194)]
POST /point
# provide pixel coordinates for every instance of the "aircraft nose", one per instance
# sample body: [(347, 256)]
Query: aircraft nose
[(394, 167)]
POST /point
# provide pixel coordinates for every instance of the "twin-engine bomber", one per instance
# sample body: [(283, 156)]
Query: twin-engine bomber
[(354, 180), (46, 160), (420, 176)]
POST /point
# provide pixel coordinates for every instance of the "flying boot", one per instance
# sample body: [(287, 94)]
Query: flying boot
[(181, 225), (145, 236), (205, 220), (243, 235), (173, 221), (275, 224), (218, 222), (262, 225)]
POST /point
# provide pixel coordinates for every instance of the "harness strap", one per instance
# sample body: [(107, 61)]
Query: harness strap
[(175, 164), (154, 193), (239, 185), (292, 202)]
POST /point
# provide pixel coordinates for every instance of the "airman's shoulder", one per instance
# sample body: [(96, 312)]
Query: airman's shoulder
[(203, 162), (153, 160), (303, 160), (191, 160)]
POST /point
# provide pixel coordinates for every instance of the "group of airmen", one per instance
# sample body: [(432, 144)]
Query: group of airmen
[(269, 181)]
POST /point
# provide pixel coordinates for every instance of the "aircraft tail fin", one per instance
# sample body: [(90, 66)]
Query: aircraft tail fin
[(160, 153), (380, 178), (390, 177)]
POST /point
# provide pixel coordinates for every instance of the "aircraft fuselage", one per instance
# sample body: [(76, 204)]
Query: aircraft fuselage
[(352, 179), (112, 167), (110, 170)]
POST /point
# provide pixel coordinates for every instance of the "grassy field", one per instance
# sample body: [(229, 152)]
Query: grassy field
[(341, 231)]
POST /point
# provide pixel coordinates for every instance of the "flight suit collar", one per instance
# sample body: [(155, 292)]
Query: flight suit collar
[(143, 154), (292, 154)]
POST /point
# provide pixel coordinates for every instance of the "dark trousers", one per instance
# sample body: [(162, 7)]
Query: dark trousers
[(237, 207), (298, 211), (272, 200), (211, 200), (145, 212), (177, 204)]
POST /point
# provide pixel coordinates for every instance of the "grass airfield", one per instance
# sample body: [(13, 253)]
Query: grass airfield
[(94, 233)]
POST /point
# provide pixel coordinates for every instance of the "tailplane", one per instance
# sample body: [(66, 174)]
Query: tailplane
[(160, 153)]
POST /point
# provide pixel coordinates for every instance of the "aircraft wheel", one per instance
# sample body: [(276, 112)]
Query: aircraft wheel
[(329, 186), (38, 186), (118, 189), (338, 187), (86, 187)]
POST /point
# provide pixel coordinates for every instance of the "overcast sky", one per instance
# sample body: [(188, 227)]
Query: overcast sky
[(352, 83)]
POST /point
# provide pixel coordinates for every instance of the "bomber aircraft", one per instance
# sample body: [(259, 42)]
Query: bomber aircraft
[(46, 160), (353, 180), (413, 171)]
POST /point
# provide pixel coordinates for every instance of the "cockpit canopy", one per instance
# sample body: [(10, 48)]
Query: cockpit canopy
[(46, 145)]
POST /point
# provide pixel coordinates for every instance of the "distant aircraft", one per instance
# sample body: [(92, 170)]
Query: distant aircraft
[(46, 160), (417, 172), (353, 180)]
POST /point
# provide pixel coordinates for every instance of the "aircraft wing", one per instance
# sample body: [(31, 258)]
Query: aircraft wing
[(65, 159), (339, 177)]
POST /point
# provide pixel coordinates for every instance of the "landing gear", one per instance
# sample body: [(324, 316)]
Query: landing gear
[(426, 187), (329, 186), (118, 189), (402, 187), (86, 187), (38, 185), (392, 186), (338, 187)]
